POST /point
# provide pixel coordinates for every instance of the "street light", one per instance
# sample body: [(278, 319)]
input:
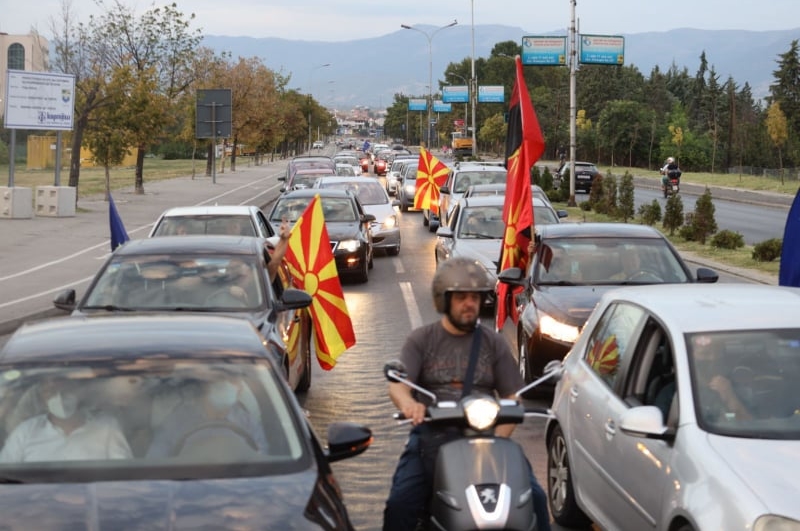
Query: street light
[(462, 78), (429, 36), (311, 98)]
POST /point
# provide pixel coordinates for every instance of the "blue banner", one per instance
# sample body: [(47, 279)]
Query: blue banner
[(544, 51), (491, 94), (440, 106), (602, 50), (455, 94), (417, 105)]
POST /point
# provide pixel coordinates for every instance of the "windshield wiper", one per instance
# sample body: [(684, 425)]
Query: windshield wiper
[(479, 236), (558, 283), (109, 308), (11, 481)]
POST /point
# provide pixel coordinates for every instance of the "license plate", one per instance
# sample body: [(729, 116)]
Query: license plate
[(674, 187), (583, 177)]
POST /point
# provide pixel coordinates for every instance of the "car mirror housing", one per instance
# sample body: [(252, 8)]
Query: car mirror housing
[(444, 232), (65, 300), (706, 275), (644, 421), (294, 299), (513, 275), (346, 439)]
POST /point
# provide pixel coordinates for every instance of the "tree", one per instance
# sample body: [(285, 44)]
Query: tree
[(778, 130), (493, 132), (703, 222), (673, 214), (786, 89), (626, 206)]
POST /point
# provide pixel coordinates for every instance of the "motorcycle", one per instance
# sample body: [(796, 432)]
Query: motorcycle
[(480, 480), (673, 186)]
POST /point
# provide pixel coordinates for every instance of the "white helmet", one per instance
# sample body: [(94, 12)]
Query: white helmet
[(670, 160)]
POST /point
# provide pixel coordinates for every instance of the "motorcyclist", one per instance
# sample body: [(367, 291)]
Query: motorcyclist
[(435, 357), (669, 166)]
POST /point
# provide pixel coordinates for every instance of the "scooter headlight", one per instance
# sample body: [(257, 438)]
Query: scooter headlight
[(481, 412)]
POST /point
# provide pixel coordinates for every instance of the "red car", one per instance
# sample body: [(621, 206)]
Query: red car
[(364, 160)]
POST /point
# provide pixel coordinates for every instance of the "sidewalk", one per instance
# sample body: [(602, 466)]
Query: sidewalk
[(42, 256)]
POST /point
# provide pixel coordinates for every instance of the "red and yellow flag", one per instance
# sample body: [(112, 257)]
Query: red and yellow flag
[(431, 175), (604, 356), (524, 146), (313, 269)]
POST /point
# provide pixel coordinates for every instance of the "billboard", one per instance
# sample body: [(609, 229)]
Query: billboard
[(544, 51), (602, 50), (491, 94), (39, 100), (440, 106), (455, 94), (417, 105)]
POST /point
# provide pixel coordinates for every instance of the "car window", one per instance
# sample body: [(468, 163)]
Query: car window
[(338, 209), (209, 282), (156, 418), (485, 222), (206, 224), (367, 191), (544, 215), (606, 348), (264, 226)]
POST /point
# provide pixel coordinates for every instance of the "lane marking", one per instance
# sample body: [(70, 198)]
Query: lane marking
[(48, 292), (411, 305)]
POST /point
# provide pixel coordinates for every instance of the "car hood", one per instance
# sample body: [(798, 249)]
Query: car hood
[(487, 252), (342, 230), (381, 212), (569, 304), (761, 465), (277, 502)]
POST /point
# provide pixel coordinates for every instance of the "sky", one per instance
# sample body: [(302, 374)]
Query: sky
[(348, 20)]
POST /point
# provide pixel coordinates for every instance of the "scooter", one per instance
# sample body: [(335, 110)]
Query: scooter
[(674, 183), (480, 480)]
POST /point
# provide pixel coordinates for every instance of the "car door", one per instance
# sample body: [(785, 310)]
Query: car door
[(445, 201), (595, 411)]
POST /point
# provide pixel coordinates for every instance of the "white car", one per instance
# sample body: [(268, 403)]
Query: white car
[(244, 220), (318, 144), (677, 409)]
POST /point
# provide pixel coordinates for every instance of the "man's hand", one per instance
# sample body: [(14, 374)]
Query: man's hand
[(415, 412)]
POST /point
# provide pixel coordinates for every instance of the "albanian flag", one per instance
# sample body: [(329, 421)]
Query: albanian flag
[(524, 146), (311, 264), (431, 175)]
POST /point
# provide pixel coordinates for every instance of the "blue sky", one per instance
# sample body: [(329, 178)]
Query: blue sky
[(345, 20)]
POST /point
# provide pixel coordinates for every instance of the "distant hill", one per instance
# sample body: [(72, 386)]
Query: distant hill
[(371, 71)]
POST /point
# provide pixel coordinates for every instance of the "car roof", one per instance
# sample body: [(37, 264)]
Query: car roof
[(598, 230), (102, 337), (206, 243), (716, 307), (207, 210), (347, 179), (483, 200), (322, 192)]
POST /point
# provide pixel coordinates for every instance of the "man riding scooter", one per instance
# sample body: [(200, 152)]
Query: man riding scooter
[(670, 177)]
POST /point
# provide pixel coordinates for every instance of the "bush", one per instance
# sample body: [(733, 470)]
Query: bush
[(650, 214), (586, 206), (3, 153), (687, 229), (727, 239), (673, 214), (546, 180), (703, 221), (768, 250), (626, 193)]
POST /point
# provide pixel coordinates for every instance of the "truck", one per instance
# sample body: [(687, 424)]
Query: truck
[(461, 144)]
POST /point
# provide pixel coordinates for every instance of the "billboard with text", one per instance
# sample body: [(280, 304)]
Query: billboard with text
[(544, 51), (602, 50)]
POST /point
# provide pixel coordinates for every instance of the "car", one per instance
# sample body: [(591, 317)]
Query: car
[(677, 408), (407, 185), (306, 161), (373, 197), (380, 163), (572, 266), (585, 173), (365, 159), (318, 144), (305, 177), (345, 170), (461, 176), (395, 168), (352, 160), (346, 221), (224, 275), (537, 195), (145, 452), (246, 220)]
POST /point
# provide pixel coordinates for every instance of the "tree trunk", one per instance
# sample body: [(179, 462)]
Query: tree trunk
[(139, 187)]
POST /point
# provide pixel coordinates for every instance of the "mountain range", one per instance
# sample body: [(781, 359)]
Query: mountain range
[(369, 72)]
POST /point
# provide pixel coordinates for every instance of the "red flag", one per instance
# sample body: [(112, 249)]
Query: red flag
[(524, 146), (313, 269), (431, 175)]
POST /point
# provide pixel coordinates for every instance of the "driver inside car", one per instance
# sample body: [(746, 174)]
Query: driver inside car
[(211, 413)]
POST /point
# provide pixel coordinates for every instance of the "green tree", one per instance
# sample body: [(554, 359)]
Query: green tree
[(493, 133), (626, 206), (673, 214), (786, 89), (704, 223)]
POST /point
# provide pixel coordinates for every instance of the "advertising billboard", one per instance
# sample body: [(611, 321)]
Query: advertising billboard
[(440, 106), (544, 51), (39, 100), (455, 94), (417, 105), (602, 50), (491, 94)]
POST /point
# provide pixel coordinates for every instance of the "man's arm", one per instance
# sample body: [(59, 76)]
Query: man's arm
[(401, 397), (276, 256)]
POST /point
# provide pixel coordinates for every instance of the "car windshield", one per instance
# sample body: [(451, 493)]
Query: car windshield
[(197, 282), (484, 222), (369, 192), (744, 383), (576, 261), (464, 179), (333, 208), (154, 418), (192, 225)]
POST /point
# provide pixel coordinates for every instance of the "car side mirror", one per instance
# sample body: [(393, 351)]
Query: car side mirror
[(706, 275), (293, 299), (366, 218), (346, 439), (444, 190), (513, 276), (562, 213), (65, 300), (444, 232)]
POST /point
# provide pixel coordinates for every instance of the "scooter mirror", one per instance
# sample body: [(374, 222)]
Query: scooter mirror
[(394, 366)]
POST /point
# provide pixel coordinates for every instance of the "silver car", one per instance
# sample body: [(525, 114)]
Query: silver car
[(678, 409)]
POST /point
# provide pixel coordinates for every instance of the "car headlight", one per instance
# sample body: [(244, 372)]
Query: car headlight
[(410, 188), (349, 245), (390, 222), (771, 522), (481, 412), (556, 329)]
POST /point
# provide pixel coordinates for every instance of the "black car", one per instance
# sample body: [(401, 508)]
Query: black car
[(178, 422), (203, 274), (585, 173), (345, 220), (573, 265)]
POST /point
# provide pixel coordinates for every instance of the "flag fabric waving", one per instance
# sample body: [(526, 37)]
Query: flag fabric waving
[(431, 175), (789, 272), (313, 269), (118, 233), (524, 146)]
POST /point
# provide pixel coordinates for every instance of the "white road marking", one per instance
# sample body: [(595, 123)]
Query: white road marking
[(411, 305)]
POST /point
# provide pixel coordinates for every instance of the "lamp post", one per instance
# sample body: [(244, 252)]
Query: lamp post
[(311, 98), (468, 97), (474, 82), (430, 36)]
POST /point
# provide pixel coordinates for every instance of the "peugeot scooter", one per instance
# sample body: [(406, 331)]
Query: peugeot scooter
[(673, 185), (481, 480)]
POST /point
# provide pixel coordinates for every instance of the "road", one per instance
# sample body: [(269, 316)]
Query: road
[(396, 299)]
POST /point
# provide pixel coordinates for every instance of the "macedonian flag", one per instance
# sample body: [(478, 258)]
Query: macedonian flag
[(604, 356), (524, 146), (313, 269), (431, 175)]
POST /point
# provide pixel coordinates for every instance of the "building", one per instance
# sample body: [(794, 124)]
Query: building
[(22, 52)]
